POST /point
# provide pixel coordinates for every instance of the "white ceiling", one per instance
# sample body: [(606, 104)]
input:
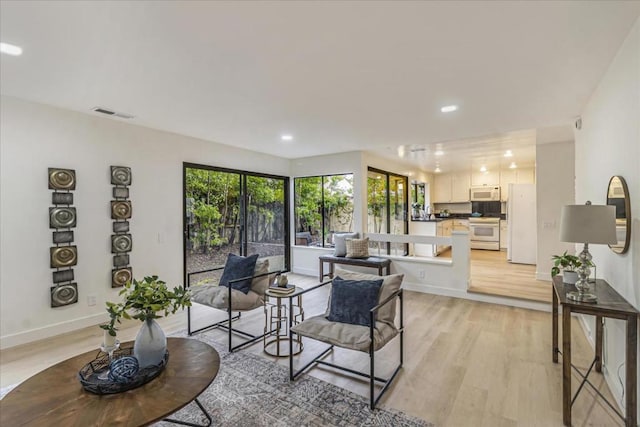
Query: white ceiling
[(338, 76)]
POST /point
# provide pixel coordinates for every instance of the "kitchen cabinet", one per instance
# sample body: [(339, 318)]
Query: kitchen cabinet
[(514, 176), (443, 229), (460, 225), (503, 234), (485, 178), (460, 183), (451, 188), (442, 188), (526, 176)]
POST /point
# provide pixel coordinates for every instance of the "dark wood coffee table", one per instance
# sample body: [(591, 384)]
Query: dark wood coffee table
[(54, 397)]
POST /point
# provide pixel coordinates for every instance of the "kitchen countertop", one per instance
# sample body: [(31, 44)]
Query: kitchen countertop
[(451, 216)]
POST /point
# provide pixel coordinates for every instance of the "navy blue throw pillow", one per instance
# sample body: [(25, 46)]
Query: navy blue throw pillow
[(238, 267), (351, 300)]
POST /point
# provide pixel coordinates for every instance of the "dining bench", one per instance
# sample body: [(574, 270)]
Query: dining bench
[(372, 262)]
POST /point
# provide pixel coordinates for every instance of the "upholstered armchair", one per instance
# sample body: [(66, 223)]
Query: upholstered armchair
[(240, 289), (360, 316)]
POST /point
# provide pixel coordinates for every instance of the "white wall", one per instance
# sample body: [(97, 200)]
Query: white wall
[(609, 144), (35, 137), (555, 187)]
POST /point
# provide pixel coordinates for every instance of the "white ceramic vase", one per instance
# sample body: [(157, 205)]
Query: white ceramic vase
[(150, 344), (569, 277)]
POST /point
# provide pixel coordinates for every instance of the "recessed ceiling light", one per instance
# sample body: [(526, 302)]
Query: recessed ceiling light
[(10, 49), (439, 153), (508, 153), (437, 170), (286, 137), (449, 108), (512, 165), (483, 168)]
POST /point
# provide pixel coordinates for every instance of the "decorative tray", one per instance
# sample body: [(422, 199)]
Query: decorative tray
[(90, 373)]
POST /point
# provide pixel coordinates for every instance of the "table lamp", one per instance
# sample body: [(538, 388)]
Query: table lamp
[(587, 224)]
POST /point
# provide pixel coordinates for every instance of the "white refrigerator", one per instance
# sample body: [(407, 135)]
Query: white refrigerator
[(521, 224)]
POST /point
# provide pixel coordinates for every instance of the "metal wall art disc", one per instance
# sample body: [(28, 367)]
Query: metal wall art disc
[(63, 256), (62, 179), (120, 277), (62, 217), (120, 175), (64, 294), (121, 209), (121, 243)]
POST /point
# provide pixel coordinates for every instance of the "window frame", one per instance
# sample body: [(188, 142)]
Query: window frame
[(388, 175), (243, 174), (322, 201)]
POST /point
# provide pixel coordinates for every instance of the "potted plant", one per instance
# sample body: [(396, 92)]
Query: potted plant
[(146, 300), (568, 264)]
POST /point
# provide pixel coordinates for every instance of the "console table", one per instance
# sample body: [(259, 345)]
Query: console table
[(54, 397), (373, 262), (610, 304)]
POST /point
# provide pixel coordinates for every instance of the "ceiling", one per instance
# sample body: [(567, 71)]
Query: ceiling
[(337, 76)]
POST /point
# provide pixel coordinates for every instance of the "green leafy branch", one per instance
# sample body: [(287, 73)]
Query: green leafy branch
[(146, 298)]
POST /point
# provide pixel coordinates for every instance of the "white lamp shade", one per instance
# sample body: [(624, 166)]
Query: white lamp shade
[(588, 224)]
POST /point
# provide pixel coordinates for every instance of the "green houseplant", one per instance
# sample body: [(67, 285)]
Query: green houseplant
[(568, 264), (147, 300)]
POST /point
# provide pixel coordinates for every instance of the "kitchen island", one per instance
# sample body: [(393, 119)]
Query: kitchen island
[(440, 227)]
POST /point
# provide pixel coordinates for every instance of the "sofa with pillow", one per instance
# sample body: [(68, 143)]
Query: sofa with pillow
[(361, 316), (241, 288)]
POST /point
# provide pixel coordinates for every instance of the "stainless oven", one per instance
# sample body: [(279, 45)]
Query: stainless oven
[(484, 233)]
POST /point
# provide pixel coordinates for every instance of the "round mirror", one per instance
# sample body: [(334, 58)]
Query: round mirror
[(618, 196)]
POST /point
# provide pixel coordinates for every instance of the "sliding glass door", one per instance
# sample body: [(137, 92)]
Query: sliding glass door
[(387, 206), (266, 214), (228, 211)]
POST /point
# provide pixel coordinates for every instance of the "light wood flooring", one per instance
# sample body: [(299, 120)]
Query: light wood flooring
[(466, 363), (492, 274)]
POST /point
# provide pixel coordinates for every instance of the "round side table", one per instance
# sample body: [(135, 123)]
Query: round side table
[(276, 321)]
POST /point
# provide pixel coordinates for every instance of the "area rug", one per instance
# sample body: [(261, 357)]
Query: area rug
[(253, 391)]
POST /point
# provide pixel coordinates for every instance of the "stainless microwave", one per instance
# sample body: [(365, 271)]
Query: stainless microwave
[(484, 193)]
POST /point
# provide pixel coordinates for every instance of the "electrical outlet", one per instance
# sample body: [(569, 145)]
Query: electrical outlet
[(421, 274), (91, 300)]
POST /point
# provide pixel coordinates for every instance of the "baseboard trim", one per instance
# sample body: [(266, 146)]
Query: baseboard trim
[(49, 331)]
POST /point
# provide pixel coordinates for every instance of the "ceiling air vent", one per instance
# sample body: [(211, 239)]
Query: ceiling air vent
[(112, 113)]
